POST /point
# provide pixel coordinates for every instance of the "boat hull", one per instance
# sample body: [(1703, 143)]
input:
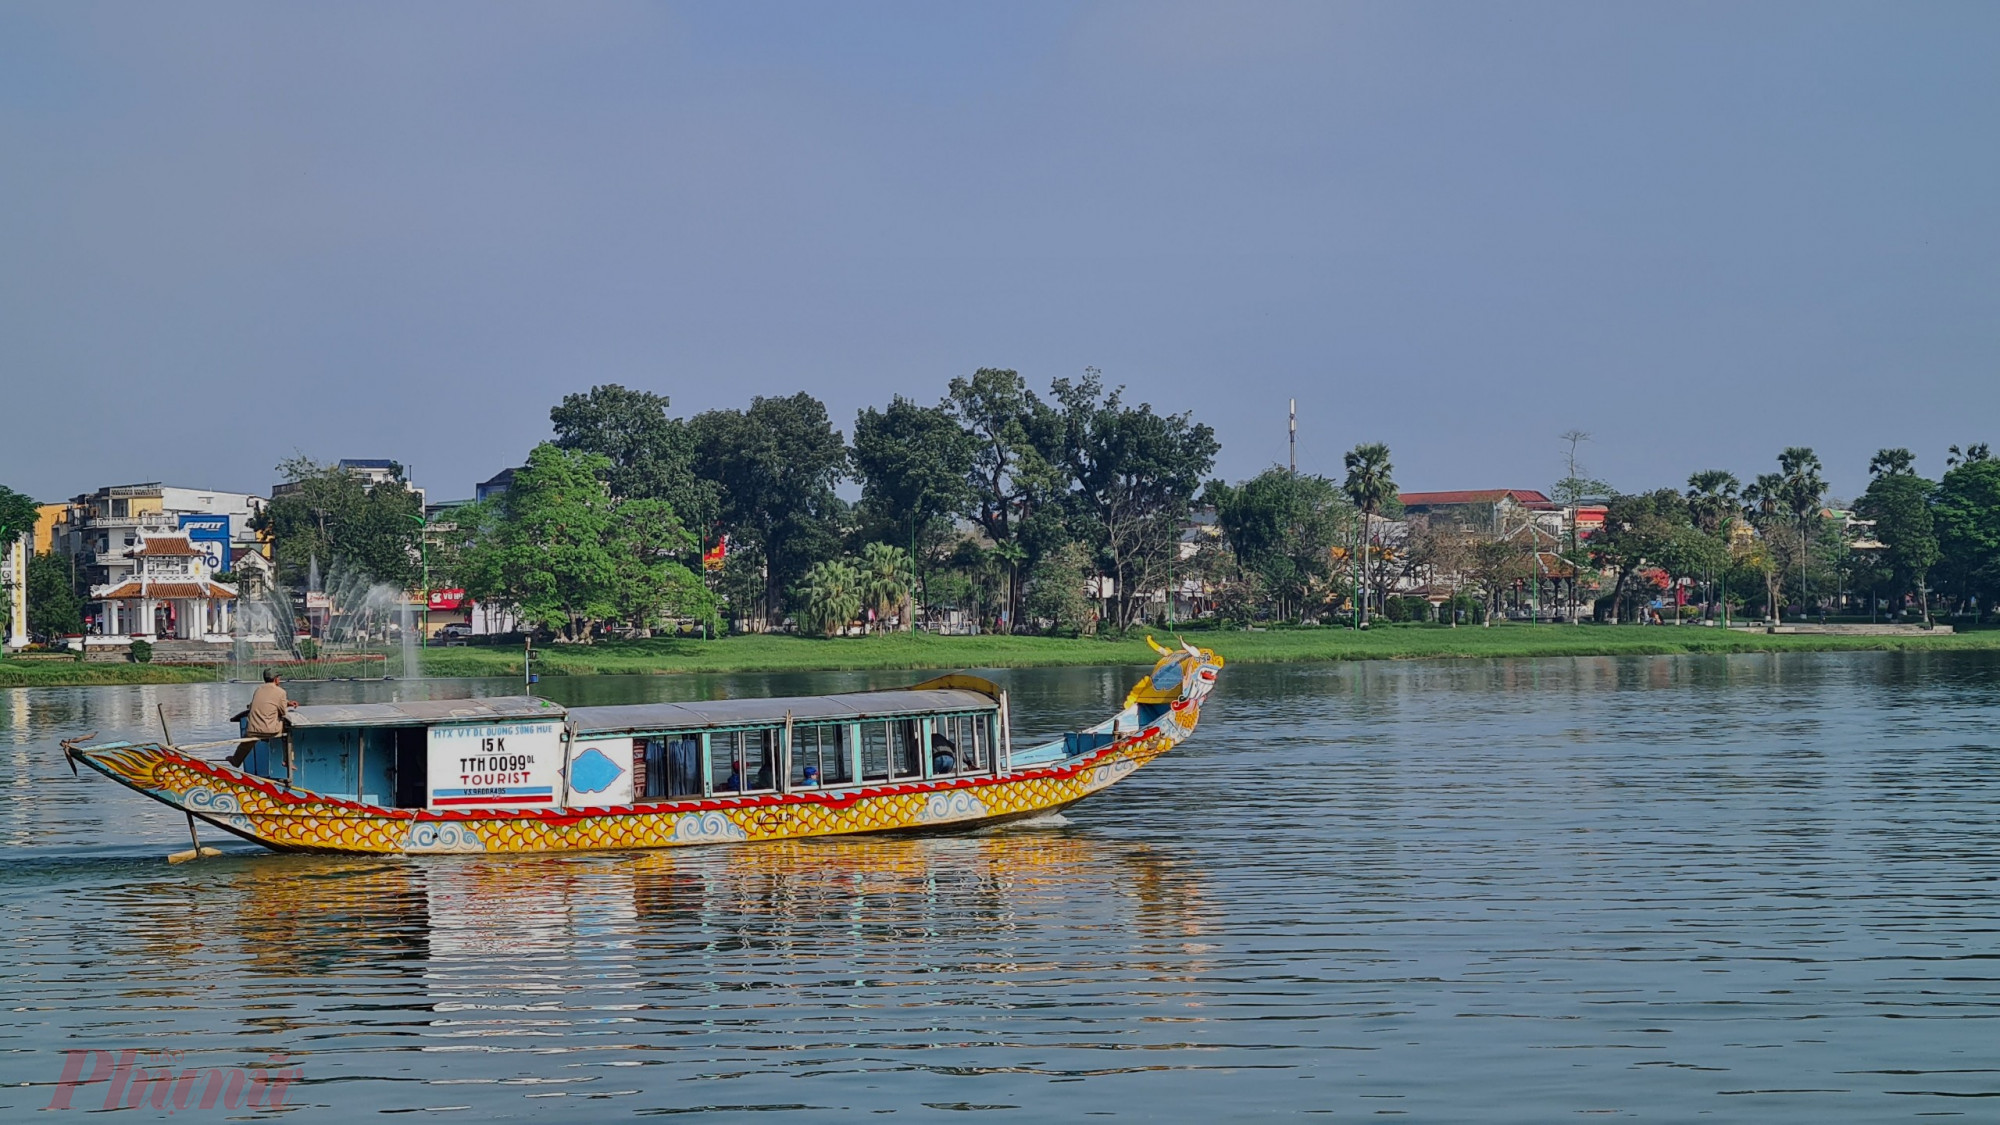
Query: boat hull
[(268, 813)]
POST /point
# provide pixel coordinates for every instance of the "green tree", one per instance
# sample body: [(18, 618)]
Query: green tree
[(775, 466), (1135, 474), (1015, 482), (54, 605), (914, 464), (831, 596), (331, 514), (650, 584), (1899, 501), (1646, 529), (1371, 487), (1055, 592), (1967, 520), (17, 514), (545, 550), (1283, 526), (651, 452)]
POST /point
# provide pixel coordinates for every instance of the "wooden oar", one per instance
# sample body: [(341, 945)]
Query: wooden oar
[(196, 852)]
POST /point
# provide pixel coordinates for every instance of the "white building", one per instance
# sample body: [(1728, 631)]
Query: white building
[(101, 529), (170, 594)]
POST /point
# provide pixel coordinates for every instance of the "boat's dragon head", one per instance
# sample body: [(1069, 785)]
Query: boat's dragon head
[(1183, 677)]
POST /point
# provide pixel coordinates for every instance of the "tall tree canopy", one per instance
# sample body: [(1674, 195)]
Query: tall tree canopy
[(332, 514), (54, 605), (1135, 477), (1645, 529), (775, 466), (17, 514), (1712, 496), (567, 556), (650, 453), (1283, 526), (1015, 484), (1967, 514), (914, 463), (1899, 501)]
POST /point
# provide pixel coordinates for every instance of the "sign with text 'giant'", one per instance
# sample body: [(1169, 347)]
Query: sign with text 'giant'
[(496, 765), (210, 536)]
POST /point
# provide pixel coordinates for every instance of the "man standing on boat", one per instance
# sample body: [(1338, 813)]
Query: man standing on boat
[(267, 716)]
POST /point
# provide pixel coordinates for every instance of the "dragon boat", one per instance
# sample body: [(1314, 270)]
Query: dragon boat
[(523, 774)]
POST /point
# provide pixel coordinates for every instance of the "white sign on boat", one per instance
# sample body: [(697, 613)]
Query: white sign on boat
[(496, 765)]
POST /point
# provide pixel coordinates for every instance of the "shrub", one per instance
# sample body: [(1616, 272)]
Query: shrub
[(142, 652), (308, 649), (1394, 610), (1416, 608)]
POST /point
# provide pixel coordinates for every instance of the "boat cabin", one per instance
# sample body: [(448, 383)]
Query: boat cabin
[(733, 747), (521, 753)]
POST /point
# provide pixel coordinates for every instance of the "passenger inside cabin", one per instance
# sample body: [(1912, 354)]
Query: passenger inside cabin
[(811, 776), (944, 754), (734, 783)]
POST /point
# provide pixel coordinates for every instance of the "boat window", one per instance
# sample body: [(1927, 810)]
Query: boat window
[(889, 750), (906, 735), (744, 761), (668, 766), (874, 751), (824, 748), (960, 744)]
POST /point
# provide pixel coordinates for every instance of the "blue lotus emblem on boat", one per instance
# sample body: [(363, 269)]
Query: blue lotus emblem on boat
[(592, 772)]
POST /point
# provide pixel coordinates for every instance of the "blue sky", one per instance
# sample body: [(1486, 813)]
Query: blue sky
[(1701, 232)]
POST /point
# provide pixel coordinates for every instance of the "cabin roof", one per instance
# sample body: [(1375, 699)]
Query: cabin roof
[(422, 712), (750, 712)]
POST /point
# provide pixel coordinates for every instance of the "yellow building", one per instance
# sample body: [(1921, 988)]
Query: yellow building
[(47, 516)]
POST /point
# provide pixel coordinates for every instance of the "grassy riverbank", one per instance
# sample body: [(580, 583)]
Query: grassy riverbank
[(66, 673), (774, 653)]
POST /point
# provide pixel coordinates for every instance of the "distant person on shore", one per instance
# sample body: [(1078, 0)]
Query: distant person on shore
[(268, 707)]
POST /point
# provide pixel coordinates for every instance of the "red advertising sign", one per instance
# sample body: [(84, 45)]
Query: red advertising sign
[(447, 599)]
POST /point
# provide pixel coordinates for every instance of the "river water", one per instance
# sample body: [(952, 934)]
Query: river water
[(1664, 888)]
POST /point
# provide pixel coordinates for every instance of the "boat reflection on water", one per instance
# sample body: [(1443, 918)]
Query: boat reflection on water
[(703, 918)]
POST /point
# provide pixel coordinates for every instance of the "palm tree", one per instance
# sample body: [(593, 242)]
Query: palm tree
[(1955, 457), (1712, 497), (1763, 504), (887, 579), (1803, 489), (832, 590), (1892, 462), (1370, 487)]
